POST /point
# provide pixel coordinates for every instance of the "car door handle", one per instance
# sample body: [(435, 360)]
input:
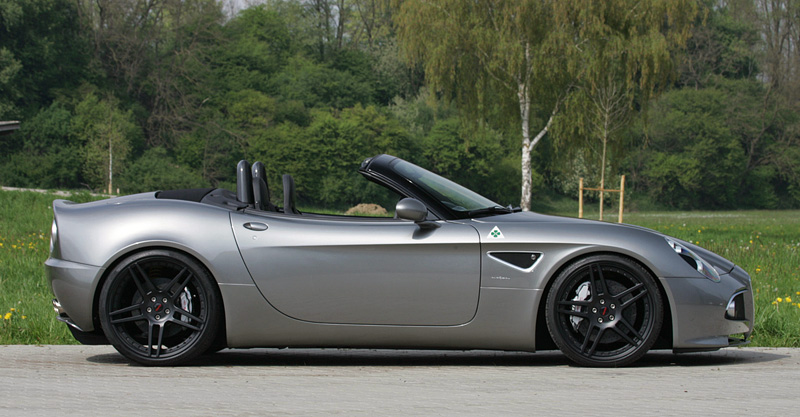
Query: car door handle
[(259, 227)]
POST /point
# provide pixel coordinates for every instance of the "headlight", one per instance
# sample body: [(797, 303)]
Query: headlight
[(694, 260)]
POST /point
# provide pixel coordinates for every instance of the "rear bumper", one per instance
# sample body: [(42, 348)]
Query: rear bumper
[(73, 284), (703, 316)]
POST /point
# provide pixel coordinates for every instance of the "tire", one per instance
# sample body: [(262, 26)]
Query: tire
[(160, 307), (604, 311)]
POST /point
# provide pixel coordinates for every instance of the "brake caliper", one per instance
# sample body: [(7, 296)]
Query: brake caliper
[(581, 294)]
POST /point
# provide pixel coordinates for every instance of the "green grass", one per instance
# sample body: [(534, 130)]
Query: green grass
[(27, 315), (765, 243)]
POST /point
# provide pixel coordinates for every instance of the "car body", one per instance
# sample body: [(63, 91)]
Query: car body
[(167, 276)]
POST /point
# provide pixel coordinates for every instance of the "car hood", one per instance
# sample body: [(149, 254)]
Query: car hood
[(722, 265)]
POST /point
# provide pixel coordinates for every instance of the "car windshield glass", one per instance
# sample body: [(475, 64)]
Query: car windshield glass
[(452, 195)]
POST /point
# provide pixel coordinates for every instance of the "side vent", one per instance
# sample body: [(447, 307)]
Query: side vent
[(521, 260)]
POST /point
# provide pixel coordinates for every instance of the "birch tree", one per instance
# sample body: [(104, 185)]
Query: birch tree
[(533, 53)]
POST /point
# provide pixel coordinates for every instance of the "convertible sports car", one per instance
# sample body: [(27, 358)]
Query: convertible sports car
[(166, 276)]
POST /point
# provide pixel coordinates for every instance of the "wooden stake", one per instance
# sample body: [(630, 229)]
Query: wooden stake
[(621, 196), (602, 190), (580, 199)]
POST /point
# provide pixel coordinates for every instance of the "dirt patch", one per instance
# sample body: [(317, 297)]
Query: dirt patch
[(367, 210)]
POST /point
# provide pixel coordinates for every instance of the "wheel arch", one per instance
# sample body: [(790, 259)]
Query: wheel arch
[(146, 246), (543, 339)]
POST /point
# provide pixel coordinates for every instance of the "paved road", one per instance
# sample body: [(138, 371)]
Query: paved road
[(95, 380)]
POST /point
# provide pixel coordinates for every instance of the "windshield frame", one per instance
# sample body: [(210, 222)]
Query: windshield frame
[(433, 190)]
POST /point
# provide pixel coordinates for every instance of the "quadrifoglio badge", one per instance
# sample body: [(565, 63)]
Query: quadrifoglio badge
[(496, 234)]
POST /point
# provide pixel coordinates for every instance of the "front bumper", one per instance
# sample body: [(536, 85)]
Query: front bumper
[(703, 316), (74, 286)]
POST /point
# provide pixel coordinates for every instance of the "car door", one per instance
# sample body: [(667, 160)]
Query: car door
[(331, 269)]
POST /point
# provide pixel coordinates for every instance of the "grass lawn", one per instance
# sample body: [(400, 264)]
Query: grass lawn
[(765, 243)]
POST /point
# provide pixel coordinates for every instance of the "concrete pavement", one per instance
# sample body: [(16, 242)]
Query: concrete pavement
[(95, 380)]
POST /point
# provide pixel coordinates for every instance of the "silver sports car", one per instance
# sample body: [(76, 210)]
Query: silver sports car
[(166, 276)]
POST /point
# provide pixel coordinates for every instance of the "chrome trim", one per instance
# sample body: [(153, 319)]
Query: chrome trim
[(57, 307), (732, 302), (63, 317)]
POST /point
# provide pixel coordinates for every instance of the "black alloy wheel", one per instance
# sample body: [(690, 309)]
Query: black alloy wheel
[(604, 310), (160, 307)]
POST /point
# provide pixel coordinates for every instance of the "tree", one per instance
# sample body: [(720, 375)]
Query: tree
[(487, 53), (624, 54), (156, 52), (533, 53), (109, 132), (42, 51)]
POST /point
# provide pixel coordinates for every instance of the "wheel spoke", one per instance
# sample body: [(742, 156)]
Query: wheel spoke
[(632, 300), (598, 281), (600, 331), (588, 337), (150, 339), (127, 309), (629, 290), (160, 339), (143, 283), (176, 279), (630, 328), (575, 313), (626, 337), (185, 324), (189, 315), (129, 319), (578, 303), (177, 294)]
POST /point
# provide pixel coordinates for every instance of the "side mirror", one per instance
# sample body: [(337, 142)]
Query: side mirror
[(412, 209)]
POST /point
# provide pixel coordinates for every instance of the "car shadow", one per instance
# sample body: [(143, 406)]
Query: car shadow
[(422, 358)]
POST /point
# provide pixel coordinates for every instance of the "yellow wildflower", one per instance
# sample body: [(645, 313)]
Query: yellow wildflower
[(24, 317), (7, 316), (758, 269), (780, 300), (788, 299), (13, 309)]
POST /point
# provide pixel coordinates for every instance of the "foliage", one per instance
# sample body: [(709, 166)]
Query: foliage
[(714, 148), (533, 55), (109, 132), (187, 91), (156, 170), (324, 158), (52, 159), (471, 157), (42, 50)]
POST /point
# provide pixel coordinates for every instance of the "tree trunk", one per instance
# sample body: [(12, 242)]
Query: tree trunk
[(528, 144), (524, 112)]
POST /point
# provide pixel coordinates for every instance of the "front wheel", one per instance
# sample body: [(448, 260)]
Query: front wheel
[(604, 310), (160, 307)]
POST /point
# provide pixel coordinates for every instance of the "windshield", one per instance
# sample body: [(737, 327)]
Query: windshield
[(450, 194)]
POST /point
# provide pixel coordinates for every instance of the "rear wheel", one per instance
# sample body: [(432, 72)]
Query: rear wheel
[(604, 310), (160, 307)]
